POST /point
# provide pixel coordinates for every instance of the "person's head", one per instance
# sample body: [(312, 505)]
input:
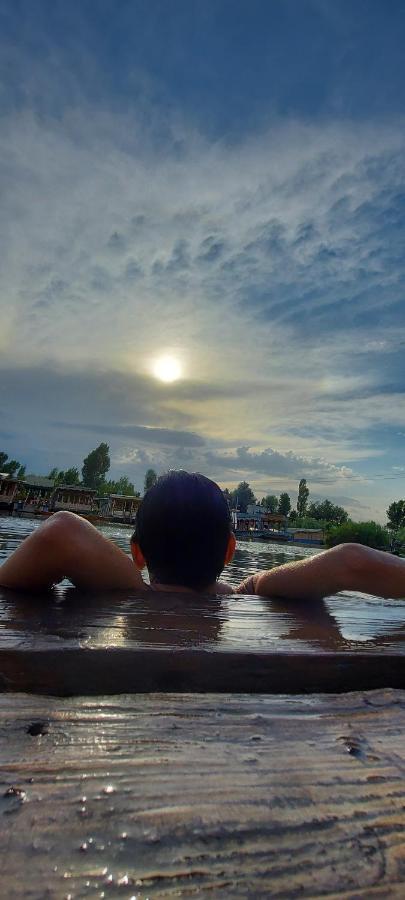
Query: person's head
[(183, 531)]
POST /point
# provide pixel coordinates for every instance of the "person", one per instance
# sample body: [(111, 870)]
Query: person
[(183, 536)]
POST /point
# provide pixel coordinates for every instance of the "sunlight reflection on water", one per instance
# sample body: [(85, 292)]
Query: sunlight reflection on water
[(349, 620)]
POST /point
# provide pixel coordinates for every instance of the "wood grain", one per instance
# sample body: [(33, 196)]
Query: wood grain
[(215, 796), (70, 643)]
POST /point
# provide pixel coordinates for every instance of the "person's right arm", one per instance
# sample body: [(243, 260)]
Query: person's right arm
[(67, 546), (345, 567)]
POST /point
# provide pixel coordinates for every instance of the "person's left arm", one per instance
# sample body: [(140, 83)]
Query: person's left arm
[(347, 567), (67, 546)]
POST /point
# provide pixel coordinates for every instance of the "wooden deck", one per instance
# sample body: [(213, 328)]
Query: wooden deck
[(208, 748), (203, 796)]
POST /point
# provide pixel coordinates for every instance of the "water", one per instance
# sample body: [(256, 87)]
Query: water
[(250, 556), (348, 620)]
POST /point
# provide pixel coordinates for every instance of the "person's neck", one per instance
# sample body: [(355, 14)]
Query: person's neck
[(180, 588)]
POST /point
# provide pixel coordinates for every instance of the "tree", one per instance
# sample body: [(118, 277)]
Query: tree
[(302, 500), (284, 504), (368, 533), (96, 466), (328, 512), (396, 514), (309, 522), (12, 466), (242, 496), (150, 479), (293, 516), (228, 497), (270, 502), (70, 476), (122, 486)]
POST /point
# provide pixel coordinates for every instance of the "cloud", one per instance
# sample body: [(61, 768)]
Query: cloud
[(144, 433), (271, 462), (273, 269)]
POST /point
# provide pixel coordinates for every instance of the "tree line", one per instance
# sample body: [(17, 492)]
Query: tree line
[(317, 514), (304, 514), (324, 514), (93, 474)]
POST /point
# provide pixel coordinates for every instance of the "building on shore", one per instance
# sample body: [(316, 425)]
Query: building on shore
[(257, 519), (9, 490), (37, 491), (74, 498), (311, 536), (118, 507)]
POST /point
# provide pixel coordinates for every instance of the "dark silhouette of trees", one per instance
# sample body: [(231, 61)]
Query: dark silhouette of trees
[(302, 500), (150, 479), (396, 514), (284, 504), (96, 466)]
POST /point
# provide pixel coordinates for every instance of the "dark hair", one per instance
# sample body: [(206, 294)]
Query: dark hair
[(182, 527)]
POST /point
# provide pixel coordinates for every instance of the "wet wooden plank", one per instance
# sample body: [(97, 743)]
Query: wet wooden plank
[(76, 644), (210, 796)]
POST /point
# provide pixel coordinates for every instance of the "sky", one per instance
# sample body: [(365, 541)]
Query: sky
[(222, 183)]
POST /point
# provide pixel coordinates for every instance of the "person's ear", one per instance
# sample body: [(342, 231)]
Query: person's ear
[(137, 556), (230, 550)]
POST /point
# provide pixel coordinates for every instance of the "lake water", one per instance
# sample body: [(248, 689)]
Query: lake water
[(250, 556), (348, 619)]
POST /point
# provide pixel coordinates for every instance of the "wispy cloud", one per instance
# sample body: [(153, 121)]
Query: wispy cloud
[(272, 267)]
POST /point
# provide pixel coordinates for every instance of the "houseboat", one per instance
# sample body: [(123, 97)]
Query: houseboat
[(312, 537), (9, 489), (74, 498), (259, 524), (38, 497), (37, 494), (120, 508)]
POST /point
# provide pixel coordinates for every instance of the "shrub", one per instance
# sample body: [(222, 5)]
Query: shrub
[(369, 533)]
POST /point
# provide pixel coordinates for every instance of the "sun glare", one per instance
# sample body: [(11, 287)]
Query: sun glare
[(167, 369)]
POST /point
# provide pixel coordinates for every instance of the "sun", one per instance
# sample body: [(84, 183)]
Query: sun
[(167, 368)]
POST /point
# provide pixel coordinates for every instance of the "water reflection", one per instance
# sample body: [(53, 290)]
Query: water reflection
[(346, 622)]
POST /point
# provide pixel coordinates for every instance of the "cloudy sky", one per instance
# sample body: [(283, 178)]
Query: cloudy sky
[(222, 183)]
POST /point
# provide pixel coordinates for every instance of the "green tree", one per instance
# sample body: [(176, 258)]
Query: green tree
[(327, 511), (12, 466), (242, 496), (150, 479), (302, 500), (96, 466), (400, 537), (122, 486), (270, 502), (309, 522), (284, 504), (70, 476), (368, 533), (396, 514), (125, 486)]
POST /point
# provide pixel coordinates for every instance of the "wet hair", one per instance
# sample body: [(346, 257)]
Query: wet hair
[(182, 527)]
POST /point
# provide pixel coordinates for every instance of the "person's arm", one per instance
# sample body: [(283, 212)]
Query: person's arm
[(346, 567), (67, 546)]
